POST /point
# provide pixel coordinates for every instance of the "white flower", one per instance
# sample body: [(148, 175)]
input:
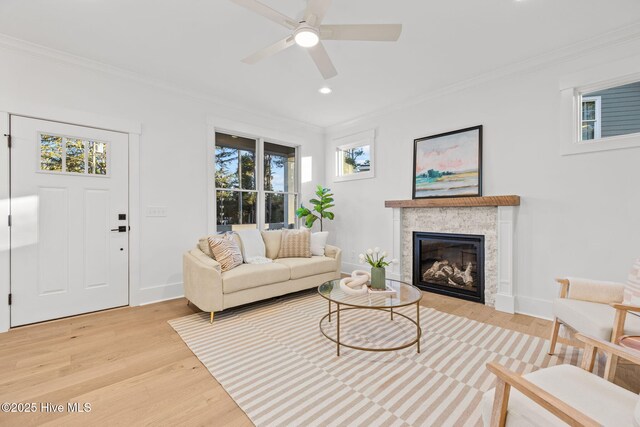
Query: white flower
[(383, 254), (361, 256), (376, 250), (369, 252), (394, 261)]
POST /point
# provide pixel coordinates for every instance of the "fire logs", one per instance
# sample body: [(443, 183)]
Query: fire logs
[(450, 274)]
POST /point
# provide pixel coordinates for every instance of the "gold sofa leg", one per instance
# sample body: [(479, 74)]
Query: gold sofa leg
[(211, 321)]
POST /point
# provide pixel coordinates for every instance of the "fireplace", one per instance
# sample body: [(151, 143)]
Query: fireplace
[(449, 264)]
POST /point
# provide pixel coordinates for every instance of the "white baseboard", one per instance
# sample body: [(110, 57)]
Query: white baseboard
[(505, 303), (152, 294), (536, 307)]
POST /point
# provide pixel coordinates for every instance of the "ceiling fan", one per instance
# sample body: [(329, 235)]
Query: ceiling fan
[(308, 32)]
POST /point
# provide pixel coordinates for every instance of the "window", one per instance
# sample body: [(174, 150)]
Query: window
[(354, 157), (610, 112), (255, 183), (63, 154), (591, 114)]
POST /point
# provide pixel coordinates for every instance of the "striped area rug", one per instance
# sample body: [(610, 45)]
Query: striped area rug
[(273, 361)]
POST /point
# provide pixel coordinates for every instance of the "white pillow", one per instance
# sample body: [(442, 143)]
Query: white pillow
[(318, 242), (252, 244)]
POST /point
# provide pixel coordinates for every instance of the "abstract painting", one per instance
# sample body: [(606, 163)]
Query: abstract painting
[(448, 164)]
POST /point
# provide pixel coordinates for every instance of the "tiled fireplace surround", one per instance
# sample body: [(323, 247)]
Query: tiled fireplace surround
[(495, 223)]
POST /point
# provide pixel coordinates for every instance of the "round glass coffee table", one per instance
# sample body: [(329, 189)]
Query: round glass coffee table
[(405, 295)]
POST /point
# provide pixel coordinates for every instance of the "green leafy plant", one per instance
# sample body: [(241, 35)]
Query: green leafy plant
[(320, 208)]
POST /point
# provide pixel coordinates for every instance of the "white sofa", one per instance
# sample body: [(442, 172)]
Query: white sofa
[(210, 289)]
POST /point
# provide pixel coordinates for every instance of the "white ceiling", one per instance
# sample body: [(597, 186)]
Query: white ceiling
[(198, 44)]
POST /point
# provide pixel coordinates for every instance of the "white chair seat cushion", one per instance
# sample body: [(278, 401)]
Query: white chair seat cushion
[(595, 397), (592, 318)]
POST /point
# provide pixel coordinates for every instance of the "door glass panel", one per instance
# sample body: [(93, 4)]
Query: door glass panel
[(97, 158), (75, 155), (236, 210), (50, 153)]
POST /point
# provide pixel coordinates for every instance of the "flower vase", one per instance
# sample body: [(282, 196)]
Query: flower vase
[(378, 279)]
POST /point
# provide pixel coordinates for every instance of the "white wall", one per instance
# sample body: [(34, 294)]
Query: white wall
[(173, 149), (579, 214)]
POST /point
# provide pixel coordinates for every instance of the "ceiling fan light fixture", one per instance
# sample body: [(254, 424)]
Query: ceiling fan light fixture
[(306, 36)]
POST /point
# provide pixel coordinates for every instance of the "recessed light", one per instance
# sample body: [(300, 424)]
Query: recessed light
[(325, 90)]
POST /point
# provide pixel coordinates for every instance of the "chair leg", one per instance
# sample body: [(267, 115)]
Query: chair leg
[(211, 321), (610, 367), (500, 404), (555, 328)]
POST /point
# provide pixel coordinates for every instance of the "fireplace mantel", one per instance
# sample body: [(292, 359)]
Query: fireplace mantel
[(492, 216), (455, 202)]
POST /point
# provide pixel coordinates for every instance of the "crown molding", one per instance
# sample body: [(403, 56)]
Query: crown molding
[(40, 51), (567, 53)]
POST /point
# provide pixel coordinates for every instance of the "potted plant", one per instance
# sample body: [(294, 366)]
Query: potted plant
[(376, 260), (321, 207)]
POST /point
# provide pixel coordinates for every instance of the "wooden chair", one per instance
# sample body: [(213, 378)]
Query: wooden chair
[(594, 308), (563, 394)]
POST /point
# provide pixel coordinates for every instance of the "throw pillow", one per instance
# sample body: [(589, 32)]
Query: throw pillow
[(318, 242), (272, 242), (632, 289), (295, 244), (226, 251), (252, 244)]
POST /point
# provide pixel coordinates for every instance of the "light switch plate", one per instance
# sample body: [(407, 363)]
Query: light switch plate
[(156, 211)]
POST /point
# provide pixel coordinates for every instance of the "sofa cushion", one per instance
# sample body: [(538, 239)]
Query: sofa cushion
[(305, 267), (247, 276), (272, 242), (226, 251), (592, 318), (295, 244), (595, 397), (203, 242)]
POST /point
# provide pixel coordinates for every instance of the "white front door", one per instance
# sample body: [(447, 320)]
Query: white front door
[(69, 220)]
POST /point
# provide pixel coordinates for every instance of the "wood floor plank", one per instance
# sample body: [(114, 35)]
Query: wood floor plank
[(135, 370)]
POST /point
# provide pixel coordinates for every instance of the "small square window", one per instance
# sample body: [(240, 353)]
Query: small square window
[(354, 160), (50, 153)]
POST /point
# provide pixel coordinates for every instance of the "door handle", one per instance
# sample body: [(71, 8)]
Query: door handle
[(120, 229)]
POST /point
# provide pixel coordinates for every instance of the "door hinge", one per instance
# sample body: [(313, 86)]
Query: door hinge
[(9, 220), (9, 299), (8, 140)]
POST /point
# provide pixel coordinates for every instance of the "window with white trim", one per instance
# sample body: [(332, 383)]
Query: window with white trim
[(71, 155), (591, 118), (355, 156), (256, 183)]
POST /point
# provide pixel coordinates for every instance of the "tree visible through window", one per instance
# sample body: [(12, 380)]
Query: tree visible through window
[(238, 195)]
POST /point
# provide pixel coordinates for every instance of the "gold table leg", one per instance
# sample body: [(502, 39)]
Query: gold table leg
[(338, 331), (329, 311), (418, 322)]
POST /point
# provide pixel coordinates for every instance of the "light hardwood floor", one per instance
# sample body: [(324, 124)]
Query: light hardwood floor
[(134, 369)]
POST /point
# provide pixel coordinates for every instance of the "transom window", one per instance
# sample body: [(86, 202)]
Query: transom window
[(610, 112), (255, 183), (65, 154)]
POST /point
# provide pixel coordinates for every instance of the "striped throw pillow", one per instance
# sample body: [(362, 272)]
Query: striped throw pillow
[(226, 251), (632, 289), (295, 244)]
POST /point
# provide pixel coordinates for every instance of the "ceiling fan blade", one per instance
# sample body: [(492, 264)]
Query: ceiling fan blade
[(363, 32), (316, 9), (322, 60), (267, 12), (278, 46)]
